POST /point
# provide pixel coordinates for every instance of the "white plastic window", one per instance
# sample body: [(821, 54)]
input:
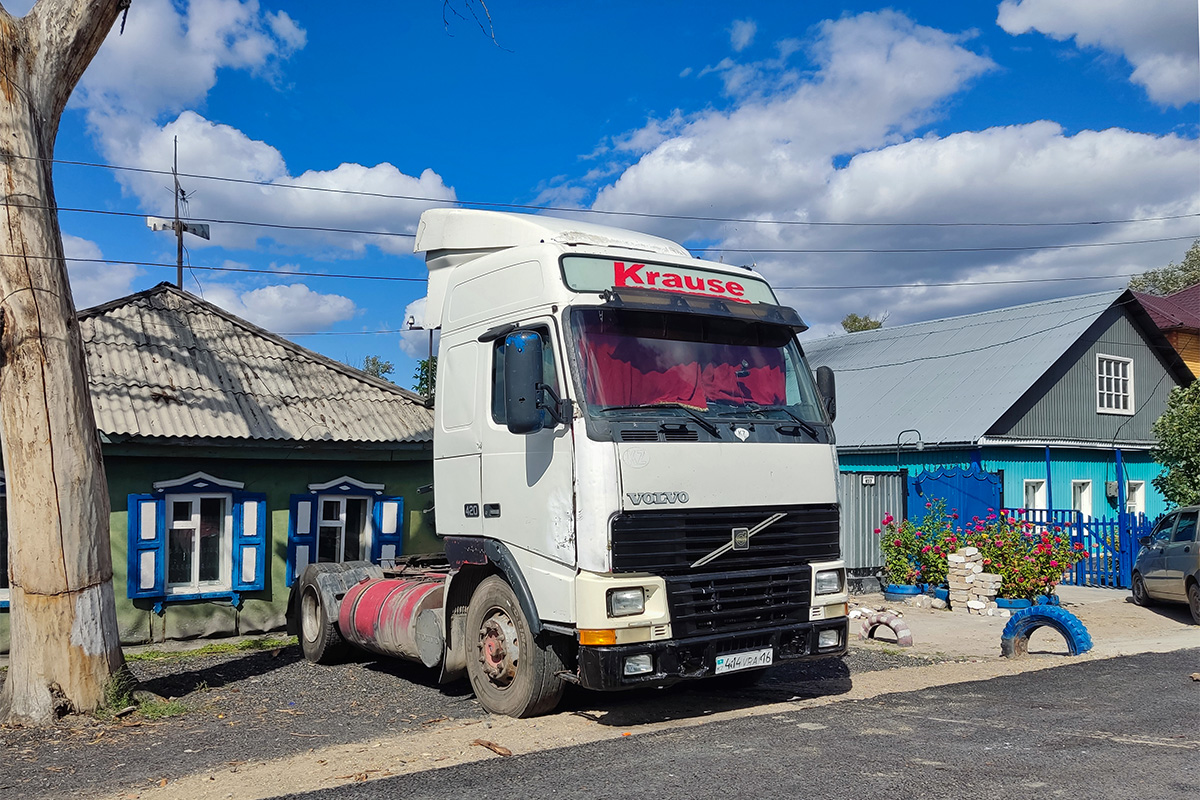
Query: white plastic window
[(343, 528), (1081, 497), (1035, 495), (199, 533), (1114, 385)]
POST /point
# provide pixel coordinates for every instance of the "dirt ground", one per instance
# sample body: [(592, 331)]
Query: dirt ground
[(264, 724)]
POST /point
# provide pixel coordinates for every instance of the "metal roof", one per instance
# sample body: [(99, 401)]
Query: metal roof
[(951, 379), (164, 363)]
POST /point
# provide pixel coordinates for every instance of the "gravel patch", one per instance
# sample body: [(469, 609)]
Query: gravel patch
[(253, 706)]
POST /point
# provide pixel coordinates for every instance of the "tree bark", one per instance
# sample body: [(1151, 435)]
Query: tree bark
[(65, 645)]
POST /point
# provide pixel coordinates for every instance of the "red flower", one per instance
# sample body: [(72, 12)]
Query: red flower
[(877, 530), (898, 543)]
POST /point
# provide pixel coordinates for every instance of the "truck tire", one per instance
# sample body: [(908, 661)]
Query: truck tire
[(319, 637), (1140, 596), (1014, 641), (511, 672)]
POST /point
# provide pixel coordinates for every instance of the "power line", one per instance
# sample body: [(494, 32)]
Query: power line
[(639, 214)]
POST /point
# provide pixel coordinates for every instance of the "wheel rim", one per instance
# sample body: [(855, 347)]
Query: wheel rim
[(499, 648), (310, 616), (1139, 588)]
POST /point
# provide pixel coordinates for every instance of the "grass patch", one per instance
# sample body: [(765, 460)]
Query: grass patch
[(163, 710), (215, 648)]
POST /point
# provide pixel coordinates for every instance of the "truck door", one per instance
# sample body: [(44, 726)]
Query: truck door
[(528, 480)]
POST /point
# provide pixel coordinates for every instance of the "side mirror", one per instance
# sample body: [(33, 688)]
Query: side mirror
[(523, 379), (825, 385), (1144, 541)]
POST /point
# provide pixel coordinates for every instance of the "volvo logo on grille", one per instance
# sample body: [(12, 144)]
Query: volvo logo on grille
[(657, 498), (741, 538)]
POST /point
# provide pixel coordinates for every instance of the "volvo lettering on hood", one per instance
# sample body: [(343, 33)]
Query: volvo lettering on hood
[(657, 498)]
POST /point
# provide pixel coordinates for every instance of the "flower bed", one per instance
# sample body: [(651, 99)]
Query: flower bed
[(1030, 558)]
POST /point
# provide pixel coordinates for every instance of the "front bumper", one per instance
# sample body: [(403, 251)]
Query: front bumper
[(603, 667)]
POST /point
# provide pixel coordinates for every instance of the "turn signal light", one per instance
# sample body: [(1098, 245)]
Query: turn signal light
[(597, 637)]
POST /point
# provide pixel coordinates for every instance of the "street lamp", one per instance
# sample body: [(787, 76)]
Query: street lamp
[(920, 444)]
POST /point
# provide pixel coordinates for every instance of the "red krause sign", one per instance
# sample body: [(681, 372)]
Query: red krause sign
[(588, 274)]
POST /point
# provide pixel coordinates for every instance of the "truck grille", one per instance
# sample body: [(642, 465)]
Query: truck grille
[(740, 590)]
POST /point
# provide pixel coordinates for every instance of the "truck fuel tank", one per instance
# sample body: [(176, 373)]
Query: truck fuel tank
[(395, 617)]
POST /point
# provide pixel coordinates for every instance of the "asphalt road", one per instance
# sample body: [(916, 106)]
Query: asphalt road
[(1116, 728)]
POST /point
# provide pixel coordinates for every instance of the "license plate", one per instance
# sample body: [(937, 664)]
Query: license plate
[(747, 659)]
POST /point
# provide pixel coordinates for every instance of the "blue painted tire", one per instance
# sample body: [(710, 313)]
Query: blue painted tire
[(1013, 603), (1014, 641), (899, 592), (1047, 600)]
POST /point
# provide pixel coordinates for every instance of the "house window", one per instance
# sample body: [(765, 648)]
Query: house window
[(201, 528), (343, 534), (197, 537), (1035, 495), (343, 520), (1081, 497), (1135, 497), (1114, 385)]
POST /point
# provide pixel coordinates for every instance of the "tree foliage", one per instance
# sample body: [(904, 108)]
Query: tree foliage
[(853, 323), (1177, 448), (425, 376), (374, 365), (1171, 278)]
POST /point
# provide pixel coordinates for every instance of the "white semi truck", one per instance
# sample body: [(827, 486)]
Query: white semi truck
[(635, 478)]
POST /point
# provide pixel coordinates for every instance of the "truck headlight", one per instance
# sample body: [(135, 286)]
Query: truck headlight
[(828, 582), (626, 602)]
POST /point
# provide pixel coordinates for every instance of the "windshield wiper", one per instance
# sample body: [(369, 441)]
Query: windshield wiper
[(755, 408), (708, 426)]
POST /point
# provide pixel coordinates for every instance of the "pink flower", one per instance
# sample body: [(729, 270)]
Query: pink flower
[(877, 530), (1054, 563), (897, 542)]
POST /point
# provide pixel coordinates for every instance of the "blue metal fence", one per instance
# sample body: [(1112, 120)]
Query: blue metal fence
[(1110, 545)]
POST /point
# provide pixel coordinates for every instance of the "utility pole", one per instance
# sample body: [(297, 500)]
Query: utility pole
[(177, 225)]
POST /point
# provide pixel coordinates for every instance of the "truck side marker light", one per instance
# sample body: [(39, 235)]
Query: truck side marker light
[(595, 637)]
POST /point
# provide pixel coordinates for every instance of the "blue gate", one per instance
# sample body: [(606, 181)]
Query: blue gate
[(1110, 545), (971, 492)]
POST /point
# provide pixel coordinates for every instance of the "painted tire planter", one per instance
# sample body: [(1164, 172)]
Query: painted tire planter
[(1047, 600), (1013, 603), (1014, 641), (899, 592), (883, 619), (942, 593)]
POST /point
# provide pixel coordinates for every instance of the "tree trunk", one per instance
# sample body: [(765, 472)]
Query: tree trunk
[(65, 646)]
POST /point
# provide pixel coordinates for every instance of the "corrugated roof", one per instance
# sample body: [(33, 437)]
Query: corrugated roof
[(164, 363), (1178, 310), (950, 379)]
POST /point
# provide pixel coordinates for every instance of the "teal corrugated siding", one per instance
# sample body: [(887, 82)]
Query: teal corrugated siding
[(1019, 464)]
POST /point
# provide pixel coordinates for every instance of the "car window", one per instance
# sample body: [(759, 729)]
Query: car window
[(1185, 531), (1162, 531)]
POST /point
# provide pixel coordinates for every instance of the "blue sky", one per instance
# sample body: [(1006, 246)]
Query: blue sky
[(774, 114)]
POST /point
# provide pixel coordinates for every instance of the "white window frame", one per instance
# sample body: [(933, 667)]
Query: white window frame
[(1039, 494), (1135, 497), (225, 557), (1109, 394), (1081, 497), (364, 536)]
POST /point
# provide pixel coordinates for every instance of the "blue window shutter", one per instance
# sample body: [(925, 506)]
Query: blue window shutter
[(147, 524), (388, 541), (249, 542), (302, 534)]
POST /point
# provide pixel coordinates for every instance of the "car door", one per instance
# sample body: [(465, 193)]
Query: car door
[(1179, 556), (1150, 562)]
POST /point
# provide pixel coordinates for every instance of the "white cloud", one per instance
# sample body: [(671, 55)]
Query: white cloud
[(1158, 37), (93, 282), (168, 60), (780, 153), (741, 35), (287, 308)]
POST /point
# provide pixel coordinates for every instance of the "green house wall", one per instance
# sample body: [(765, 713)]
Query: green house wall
[(277, 473)]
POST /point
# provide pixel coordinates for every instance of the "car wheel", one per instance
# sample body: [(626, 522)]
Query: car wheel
[(1193, 595), (1139, 591), (511, 672)]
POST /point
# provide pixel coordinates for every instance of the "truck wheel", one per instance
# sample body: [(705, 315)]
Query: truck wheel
[(510, 672), (1140, 595), (319, 637)]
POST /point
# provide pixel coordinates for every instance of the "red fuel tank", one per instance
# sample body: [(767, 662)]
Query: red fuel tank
[(381, 615)]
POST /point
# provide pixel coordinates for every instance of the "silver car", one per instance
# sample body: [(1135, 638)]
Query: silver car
[(1168, 566)]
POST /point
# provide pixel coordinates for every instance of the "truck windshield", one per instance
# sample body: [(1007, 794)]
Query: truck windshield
[(641, 359)]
